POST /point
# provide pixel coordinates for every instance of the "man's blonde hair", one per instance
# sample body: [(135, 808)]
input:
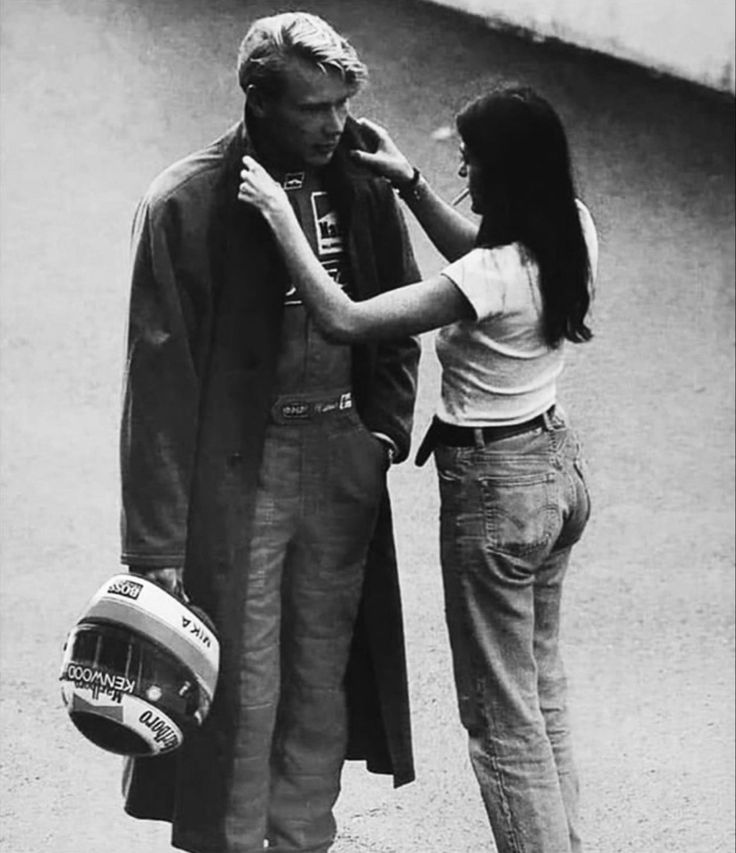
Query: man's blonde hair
[(273, 41)]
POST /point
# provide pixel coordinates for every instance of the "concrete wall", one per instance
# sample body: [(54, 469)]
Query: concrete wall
[(693, 39)]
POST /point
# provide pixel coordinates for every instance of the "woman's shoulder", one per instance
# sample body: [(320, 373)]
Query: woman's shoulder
[(484, 266), (486, 275), (495, 260)]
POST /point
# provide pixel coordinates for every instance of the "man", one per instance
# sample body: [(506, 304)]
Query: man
[(254, 454)]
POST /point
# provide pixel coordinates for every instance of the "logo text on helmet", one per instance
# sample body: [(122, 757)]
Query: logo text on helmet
[(126, 588), (99, 681), (163, 733), (197, 630)]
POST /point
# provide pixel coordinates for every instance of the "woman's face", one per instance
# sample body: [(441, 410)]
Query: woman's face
[(471, 171)]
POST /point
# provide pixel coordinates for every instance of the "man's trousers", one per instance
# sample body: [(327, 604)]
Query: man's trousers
[(319, 489)]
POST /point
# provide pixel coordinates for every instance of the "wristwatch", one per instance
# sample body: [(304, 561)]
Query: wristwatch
[(408, 189)]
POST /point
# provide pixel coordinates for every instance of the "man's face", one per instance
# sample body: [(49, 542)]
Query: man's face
[(303, 125)]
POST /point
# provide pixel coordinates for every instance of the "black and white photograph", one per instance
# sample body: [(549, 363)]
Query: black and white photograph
[(367, 426)]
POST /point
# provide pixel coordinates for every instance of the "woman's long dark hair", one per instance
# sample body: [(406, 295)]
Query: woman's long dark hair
[(528, 196)]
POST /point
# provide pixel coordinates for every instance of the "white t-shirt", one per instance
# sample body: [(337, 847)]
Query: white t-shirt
[(497, 369)]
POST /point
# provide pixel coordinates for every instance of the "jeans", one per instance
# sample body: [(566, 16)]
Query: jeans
[(319, 490), (511, 511)]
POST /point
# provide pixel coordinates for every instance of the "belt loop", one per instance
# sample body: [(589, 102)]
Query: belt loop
[(547, 418), (480, 441)]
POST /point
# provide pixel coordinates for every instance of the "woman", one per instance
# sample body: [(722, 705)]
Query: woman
[(513, 496)]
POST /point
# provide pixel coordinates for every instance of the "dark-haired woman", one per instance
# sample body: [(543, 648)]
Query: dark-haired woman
[(513, 496)]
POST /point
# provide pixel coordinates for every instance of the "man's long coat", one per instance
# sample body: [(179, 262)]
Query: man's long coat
[(205, 318)]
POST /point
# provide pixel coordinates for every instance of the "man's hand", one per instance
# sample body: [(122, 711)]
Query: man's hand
[(389, 447), (170, 579), (258, 188), (387, 160)]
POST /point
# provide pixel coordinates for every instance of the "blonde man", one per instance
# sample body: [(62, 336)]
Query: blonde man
[(254, 456)]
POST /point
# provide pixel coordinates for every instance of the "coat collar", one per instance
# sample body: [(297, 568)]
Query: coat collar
[(244, 230), (343, 176)]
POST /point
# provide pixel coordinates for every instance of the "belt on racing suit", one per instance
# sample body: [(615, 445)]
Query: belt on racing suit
[(294, 409)]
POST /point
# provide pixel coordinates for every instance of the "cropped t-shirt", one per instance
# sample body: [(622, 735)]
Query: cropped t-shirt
[(497, 369)]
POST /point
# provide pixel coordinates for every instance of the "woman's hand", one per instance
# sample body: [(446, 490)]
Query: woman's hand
[(258, 188), (387, 160)]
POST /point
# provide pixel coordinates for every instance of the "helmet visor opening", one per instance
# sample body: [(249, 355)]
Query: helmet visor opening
[(153, 672)]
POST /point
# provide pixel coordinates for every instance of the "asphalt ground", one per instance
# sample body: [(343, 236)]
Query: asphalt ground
[(96, 97)]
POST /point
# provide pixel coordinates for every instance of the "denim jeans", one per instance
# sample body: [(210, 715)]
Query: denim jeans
[(511, 511)]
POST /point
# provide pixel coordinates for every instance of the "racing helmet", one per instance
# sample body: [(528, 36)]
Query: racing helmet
[(139, 668)]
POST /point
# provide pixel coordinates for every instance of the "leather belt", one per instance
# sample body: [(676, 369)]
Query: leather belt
[(452, 435), (287, 410)]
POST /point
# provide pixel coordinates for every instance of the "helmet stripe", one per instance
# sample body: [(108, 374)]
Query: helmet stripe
[(137, 603)]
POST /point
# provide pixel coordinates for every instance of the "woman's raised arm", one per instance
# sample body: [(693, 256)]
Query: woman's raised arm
[(452, 234), (411, 309)]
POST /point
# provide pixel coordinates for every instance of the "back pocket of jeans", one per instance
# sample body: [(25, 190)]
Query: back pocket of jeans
[(520, 517)]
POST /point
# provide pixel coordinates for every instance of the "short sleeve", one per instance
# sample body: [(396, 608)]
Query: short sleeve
[(478, 277)]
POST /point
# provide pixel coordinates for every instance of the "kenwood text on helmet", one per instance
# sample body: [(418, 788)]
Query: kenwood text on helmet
[(140, 668)]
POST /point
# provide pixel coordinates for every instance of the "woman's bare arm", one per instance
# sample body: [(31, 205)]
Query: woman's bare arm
[(412, 309), (451, 233)]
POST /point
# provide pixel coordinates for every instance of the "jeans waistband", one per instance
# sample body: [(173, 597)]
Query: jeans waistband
[(290, 409), (452, 435)]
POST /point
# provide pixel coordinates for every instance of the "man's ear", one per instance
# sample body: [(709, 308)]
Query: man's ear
[(255, 101)]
